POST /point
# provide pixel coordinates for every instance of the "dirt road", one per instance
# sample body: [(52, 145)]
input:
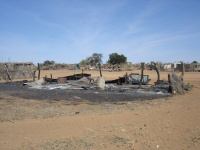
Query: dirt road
[(172, 123)]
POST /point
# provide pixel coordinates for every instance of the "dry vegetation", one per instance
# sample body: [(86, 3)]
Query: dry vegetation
[(171, 123)]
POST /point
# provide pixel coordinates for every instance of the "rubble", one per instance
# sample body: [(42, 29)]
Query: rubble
[(128, 87), (89, 92), (177, 85)]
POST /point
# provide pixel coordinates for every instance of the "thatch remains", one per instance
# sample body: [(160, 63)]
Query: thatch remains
[(177, 85), (10, 71)]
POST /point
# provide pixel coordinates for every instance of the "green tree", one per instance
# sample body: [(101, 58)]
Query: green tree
[(115, 58), (47, 63), (95, 59)]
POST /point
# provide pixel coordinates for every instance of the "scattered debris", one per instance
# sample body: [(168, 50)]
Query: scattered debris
[(62, 80), (177, 85), (135, 79)]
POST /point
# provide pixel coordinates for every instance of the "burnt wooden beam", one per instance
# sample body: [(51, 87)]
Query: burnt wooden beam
[(169, 81), (157, 71), (38, 71)]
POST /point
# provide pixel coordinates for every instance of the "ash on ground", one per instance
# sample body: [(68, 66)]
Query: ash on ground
[(112, 92)]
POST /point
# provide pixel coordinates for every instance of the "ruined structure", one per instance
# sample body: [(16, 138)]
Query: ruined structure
[(10, 71)]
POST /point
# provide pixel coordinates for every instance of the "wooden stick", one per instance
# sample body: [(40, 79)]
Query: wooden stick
[(142, 71), (100, 69), (38, 71), (183, 70), (169, 80), (50, 78), (126, 78), (157, 71), (34, 75)]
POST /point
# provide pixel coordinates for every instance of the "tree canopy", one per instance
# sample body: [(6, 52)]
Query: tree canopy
[(115, 58), (47, 63), (93, 60), (84, 62), (194, 62)]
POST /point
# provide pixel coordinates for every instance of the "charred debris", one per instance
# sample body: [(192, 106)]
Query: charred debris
[(128, 82), (83, 86)]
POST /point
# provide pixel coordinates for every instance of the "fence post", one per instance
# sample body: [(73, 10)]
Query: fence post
[(142, 71), (34, 75), (38, 71), (100, 69), (50, 78)]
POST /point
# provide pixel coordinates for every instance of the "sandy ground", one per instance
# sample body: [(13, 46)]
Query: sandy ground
[(172, 123)]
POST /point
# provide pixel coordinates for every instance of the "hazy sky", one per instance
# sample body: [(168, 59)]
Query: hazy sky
[(68, 31)]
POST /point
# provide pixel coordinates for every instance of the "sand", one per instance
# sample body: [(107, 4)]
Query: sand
[(172, 123)]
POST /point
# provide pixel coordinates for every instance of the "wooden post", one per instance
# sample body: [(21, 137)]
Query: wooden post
[(157, 71), (172, 67), (100, 69), (118, 82), (45, 78), (82, 73), (142, 71), (183, 70), (169, 80), (34, 75), (50, 78), (126, 78), (38, 71)]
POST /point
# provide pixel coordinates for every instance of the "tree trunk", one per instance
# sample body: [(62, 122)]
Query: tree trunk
[(100, 69), (157, 71)]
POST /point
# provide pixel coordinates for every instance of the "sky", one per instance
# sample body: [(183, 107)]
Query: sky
[(68, 31)]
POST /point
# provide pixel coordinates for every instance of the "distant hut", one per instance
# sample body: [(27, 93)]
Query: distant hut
[(195, 66)]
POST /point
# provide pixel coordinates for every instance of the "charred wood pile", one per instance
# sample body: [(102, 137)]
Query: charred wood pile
[(127, 82), (177, 85)]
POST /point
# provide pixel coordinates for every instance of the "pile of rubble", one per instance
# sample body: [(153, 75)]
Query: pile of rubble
[(85, 81)]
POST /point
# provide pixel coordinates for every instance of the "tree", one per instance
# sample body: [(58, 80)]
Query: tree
[(95, 59), (47, 63), (84, 62), (115, 58), (194, 62)]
